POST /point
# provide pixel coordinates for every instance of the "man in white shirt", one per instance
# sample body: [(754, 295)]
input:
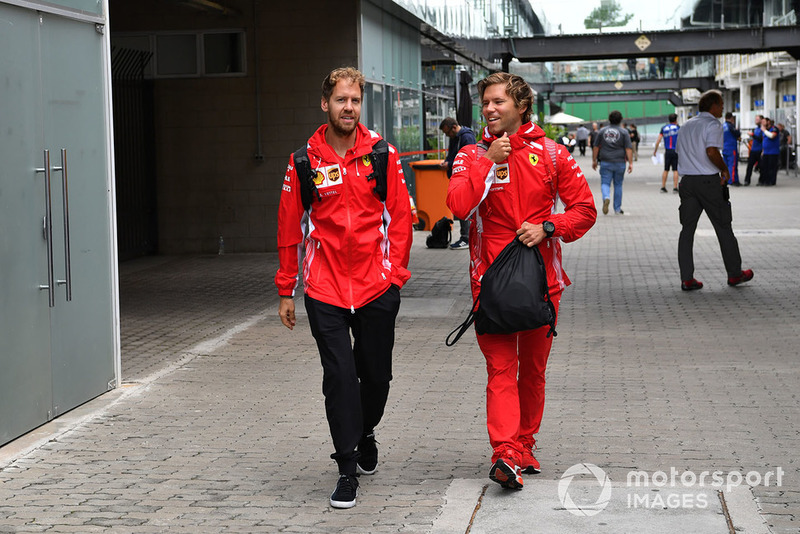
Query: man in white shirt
[(704, 186)]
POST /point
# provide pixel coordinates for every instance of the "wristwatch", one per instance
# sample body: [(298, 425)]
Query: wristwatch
[(548, 228)]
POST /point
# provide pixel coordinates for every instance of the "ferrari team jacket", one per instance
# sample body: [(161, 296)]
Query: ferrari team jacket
[(521, 188), (351, 245)]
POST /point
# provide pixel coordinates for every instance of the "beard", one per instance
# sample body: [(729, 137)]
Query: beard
[(341, 129)]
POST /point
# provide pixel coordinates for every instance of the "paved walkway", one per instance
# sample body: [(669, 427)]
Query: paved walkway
[(220, 424)]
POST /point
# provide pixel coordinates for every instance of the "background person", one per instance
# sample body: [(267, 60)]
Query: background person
[(355, 261), (730, 148), (511, 186), (703, 187), (460, 136), (770, 153), (754, 155), (582, 137), (611, 151), (669, 134)]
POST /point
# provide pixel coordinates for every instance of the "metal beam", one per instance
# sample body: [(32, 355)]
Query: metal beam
[(615, 97), (640, 44), (664, 84)]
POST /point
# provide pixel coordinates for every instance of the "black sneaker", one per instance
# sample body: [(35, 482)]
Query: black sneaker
[(460, 244), (367, 455), (344, 496), (663, 189)]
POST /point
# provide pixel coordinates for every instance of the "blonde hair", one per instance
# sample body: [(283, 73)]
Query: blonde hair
[(351, 74), (516, 87)]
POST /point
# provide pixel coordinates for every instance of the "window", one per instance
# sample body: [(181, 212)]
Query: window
[(190, 55)]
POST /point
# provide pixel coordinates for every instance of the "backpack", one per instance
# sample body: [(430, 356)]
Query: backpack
[(440, 234), (305, 174), (514, 295)]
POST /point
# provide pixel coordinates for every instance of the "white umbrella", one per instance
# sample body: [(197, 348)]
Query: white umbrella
[(564, 118)]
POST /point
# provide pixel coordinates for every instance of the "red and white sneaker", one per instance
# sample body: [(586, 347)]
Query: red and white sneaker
[(528, 462), (505, 468)]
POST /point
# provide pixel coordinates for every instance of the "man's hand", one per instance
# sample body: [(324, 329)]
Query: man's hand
[(286, 313), (531, 234), (724, 177), (594, 165), (630, 167), (500, 149)]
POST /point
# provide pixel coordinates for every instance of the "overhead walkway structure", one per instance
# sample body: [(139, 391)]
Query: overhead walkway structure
[(626, 45)]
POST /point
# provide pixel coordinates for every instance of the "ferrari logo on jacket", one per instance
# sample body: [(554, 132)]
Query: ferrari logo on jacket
[(366, 160), (534, 159)]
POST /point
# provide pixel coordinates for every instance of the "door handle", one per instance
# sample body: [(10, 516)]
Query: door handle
[(65, 197), (48, 230)]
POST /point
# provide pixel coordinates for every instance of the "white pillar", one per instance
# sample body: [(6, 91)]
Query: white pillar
[(769, 94), (745, 113)]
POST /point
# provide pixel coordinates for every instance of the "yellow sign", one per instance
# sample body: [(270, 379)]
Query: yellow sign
[(642, 43)]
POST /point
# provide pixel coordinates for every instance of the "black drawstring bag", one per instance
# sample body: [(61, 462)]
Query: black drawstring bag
[(514, 296)]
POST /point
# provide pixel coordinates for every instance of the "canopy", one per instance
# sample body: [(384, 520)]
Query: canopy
[(564, 118)]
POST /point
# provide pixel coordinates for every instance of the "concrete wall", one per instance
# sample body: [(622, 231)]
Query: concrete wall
[(210, 182)]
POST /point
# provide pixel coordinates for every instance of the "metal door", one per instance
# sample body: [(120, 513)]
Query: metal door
[(75, 131), (25, 381), (58, 320)]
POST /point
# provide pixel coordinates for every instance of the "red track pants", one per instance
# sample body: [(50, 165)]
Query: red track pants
[(516, 366)]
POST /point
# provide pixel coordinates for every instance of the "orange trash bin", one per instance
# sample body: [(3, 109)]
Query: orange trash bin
[(431, 186)]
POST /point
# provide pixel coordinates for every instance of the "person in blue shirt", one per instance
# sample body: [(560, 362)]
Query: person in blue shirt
[(730, 148), (669, 134), (755, 151), (770, 153), (460, 136)]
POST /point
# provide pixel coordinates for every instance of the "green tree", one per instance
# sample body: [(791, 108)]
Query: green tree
[(609, 14)]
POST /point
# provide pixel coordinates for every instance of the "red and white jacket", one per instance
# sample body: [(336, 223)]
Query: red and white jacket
[(352, 246), (516, 190)]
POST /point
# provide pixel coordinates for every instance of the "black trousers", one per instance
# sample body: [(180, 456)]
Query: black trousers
[(700, 193), (355, 378), (752, 159), (769, 169)]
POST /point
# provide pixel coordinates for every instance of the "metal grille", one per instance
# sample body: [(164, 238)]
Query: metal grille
[(134, 154)]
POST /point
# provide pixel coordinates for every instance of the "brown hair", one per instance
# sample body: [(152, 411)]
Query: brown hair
[(516, 87), (351, 74), (708, 99)]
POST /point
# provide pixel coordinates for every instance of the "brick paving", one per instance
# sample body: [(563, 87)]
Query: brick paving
[(226, 433)]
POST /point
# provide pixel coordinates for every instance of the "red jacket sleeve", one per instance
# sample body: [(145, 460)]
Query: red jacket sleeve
[(468, 182), (398, 227), (290, 233), (580, 213)]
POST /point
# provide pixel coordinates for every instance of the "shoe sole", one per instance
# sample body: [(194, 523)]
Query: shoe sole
[(505, 475), (530, 470), (343, 505), (605, 206), (362, 471)]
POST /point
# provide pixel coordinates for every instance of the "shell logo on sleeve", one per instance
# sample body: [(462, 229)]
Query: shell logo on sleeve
[(319, 178)]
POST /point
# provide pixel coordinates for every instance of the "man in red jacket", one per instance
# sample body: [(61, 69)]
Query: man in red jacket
[(507, 191), (354, 249)]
